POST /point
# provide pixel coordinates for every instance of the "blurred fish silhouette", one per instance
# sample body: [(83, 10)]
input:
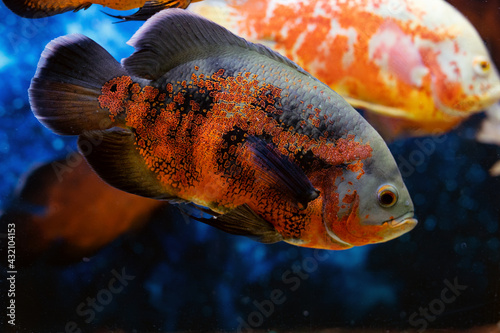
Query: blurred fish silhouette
[(417, 67), (485, 16), (489, 133), (198, 114), (43, 8), (64, 212)]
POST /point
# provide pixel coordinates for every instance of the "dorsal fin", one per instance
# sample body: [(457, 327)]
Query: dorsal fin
[(175, 36)]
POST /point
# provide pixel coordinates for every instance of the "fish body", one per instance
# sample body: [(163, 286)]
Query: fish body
[(43, 8), (198, 114), (417, 66)]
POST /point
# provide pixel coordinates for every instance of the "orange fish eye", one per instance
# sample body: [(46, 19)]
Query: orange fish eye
[(387, 196), (482, 66)]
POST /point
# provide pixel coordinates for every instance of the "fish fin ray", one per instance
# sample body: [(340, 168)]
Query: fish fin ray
[(277, 170), (377, 108), (204, 210), (112, 154), (243, 221), (65, 89), (169, 38)]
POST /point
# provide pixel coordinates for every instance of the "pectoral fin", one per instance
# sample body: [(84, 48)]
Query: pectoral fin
[(244, 221), (281, 173)]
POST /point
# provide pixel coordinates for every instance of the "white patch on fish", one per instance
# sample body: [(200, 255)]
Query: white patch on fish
[(337, 30), (395, 52)]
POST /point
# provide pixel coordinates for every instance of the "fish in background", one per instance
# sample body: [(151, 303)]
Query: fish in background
[(199, 114), (43, 8), (63, 212), (418, 67), (489, 133)]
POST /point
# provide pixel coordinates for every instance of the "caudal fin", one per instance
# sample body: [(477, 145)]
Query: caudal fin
[(65, 90)]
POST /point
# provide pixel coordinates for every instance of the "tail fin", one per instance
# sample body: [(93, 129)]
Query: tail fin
[(65, 90)]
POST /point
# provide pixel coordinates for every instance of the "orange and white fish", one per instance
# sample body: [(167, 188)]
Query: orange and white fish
[(200, 115), (417, 66)]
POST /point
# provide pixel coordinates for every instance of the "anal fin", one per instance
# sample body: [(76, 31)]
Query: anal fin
[(114, 157), (242, 220)]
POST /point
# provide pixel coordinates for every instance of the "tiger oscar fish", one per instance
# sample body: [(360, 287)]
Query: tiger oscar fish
[(198, 114)]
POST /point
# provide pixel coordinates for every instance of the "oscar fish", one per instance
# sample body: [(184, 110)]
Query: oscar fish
[(43, 8), (200, 115), (417, 67), (63, 212)]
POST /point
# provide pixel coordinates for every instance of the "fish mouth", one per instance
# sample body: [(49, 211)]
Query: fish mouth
[(406, 220), (494, 94), (399, 226), (490, 97), (470, 104)]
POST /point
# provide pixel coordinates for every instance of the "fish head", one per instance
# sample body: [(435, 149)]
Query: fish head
[(371, 206), (482, 81), (464, 78)]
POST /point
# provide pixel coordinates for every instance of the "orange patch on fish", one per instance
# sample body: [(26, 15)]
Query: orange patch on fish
[(349, 228), (113, 95)]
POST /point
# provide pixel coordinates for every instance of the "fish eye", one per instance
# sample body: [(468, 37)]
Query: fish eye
[(387, 196), (482, 65)]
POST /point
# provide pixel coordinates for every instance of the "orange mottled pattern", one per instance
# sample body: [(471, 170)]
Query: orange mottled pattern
[(193, 135), (313, 39)]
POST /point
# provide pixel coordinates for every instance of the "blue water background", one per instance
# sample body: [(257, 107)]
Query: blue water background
[(190, 276)]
